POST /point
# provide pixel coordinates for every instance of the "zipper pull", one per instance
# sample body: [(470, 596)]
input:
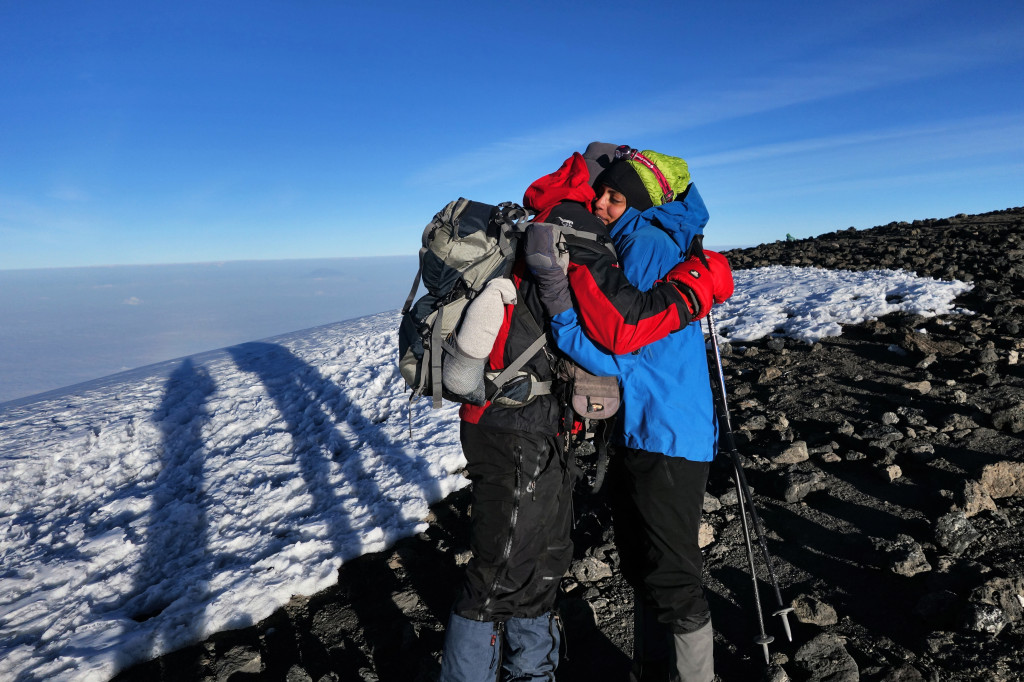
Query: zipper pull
[(498, 629)]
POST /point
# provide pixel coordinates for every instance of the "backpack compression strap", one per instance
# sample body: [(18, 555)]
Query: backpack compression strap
[(415, 283), (539, 387), (599, 240)]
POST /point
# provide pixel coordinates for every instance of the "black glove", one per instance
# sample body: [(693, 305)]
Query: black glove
[(548, 259)]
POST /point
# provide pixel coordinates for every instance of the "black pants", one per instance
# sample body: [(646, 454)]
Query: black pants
[(658, 502), (521, 520)]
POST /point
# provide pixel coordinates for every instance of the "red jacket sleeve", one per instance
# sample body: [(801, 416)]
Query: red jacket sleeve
[(615, 314)]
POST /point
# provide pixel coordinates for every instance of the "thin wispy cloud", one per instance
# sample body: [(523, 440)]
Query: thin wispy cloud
[(783, 85), (497, 160), (884, 180), (965, 137), (21, 218), (69, 193), (383, 146)]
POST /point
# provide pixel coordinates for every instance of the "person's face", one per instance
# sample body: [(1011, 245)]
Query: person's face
[(609, 205)]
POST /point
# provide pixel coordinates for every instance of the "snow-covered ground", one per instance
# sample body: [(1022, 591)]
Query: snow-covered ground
[(149, 510), (812, 303)]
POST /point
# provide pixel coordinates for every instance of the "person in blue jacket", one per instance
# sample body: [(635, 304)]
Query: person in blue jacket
[(666, 434)]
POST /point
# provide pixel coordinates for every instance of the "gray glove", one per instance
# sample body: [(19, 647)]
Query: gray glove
[(548, 259)]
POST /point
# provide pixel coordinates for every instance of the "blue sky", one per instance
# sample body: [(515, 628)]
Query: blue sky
[(143, 132)]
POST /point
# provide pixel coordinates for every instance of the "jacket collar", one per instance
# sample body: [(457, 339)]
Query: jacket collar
[(681, 219)]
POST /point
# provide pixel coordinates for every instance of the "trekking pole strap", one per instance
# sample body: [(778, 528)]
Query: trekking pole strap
[(723, 405)]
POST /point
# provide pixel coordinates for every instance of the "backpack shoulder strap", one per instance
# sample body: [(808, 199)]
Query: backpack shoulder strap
[(589, 237)]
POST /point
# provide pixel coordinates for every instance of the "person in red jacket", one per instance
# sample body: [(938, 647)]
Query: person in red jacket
[(522, 476), (518, 460)]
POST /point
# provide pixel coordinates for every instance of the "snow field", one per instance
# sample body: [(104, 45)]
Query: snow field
[(141, 519), (141, 514)]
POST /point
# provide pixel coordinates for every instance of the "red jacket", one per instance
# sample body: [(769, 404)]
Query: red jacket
[(616, 315), (625, 318), (567, 189)]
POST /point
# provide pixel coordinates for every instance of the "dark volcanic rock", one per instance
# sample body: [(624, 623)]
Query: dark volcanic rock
[(888, 472), (826, 659), (955, 533), (809, 609)]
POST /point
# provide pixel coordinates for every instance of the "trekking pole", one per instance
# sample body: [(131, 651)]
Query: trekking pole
[(763, 639), (743, 489), (743, 498)]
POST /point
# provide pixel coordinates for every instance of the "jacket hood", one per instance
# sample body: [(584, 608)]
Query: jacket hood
[(682, 219), (571, 182)]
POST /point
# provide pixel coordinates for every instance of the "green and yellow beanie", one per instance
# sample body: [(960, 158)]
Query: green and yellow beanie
[(646, 178)]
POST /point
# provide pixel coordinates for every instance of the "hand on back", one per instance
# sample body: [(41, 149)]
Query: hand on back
[(703, 281)]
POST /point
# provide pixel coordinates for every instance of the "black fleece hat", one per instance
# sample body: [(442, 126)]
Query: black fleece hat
[(621, 177)]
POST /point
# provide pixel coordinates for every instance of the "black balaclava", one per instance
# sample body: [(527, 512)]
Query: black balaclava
[(621, 177)]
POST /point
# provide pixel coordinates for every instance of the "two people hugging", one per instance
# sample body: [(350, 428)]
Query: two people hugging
[(631, 312)]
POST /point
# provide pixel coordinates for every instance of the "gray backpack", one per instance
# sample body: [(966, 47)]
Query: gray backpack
[(466, 245)]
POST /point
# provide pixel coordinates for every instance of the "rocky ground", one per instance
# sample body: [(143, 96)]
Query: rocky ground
[(888, 469)]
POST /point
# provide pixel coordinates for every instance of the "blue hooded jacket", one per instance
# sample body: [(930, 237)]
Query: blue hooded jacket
[(667, 405)]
